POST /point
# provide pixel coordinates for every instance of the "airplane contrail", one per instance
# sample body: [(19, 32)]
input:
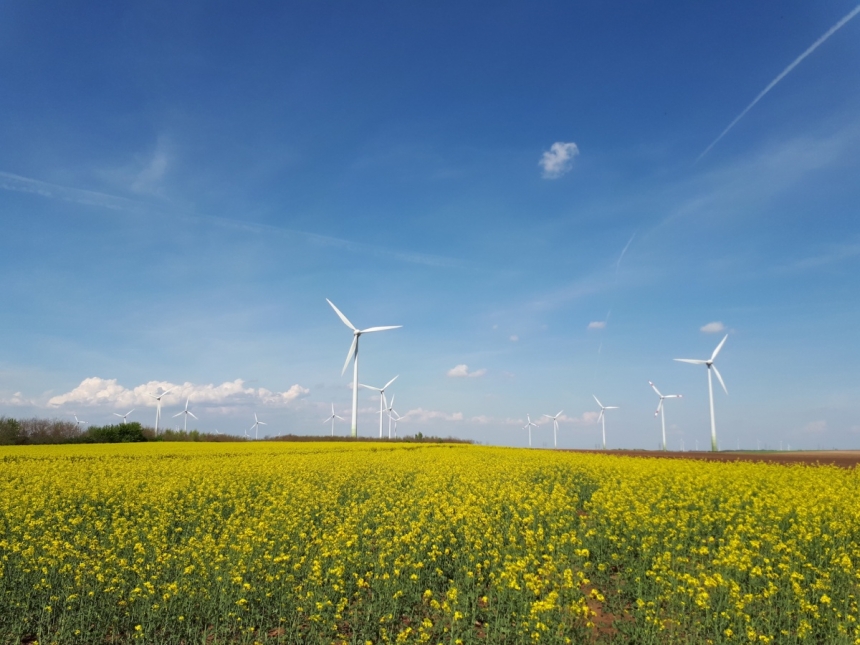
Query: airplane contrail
[(783, 74)]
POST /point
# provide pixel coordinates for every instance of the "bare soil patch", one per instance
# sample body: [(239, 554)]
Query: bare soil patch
[(841, 458)]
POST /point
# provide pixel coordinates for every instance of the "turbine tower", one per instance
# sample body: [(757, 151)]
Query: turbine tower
[(711, 366), (529, 427), (256, 427), (661, 410), (602, 417), (158, 406), (381, 391), (186, 412), (332, 418), (352, 355), (554, 427)]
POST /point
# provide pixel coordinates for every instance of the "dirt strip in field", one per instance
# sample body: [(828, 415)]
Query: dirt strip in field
[(841, 458)]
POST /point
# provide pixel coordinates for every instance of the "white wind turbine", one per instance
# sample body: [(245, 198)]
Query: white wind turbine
[(186, 412), (531, 424), (158, 406), (389, 408), (332, 418), (711, 366), (554, 427), (124, 417), (381, 391), (393, 415), (78, 422), (256, 427), (352, 355), (602, 417), (661, 410)]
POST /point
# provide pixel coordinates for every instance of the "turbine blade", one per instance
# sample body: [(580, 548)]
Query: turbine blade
[(598, 402), (600, 416), (117, 415), (673, 396), (719, 347), (612, 407), (372, 329), (130, 411), (369, 387), (390, 382), (192, 414), (341, 316), (262, 423), (392, 403), (179, 415), (350, 354), (655, 388), (337, 417), (547, 416), (692, 361), (717, 372), (659, 406), (558, 415)]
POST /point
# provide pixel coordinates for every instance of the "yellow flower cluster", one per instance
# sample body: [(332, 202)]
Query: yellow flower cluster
[(374, 543)]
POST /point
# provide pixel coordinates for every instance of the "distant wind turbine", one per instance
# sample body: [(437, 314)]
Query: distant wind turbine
[(256, 427), (186, 412), (554, 427), (332, 418), (602, 417), (393, 415), (661, 411), (124, 417), (78, 422), (352, 355), (528, 426), (381, 391), (158, 407), (389, 408), (711, 366)]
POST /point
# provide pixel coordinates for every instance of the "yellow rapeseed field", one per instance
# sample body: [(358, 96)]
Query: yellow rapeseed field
[(375, 543)]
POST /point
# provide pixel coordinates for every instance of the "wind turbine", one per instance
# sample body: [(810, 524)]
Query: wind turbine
[(661, 411), (186, 412), (158, 406), (528, 427), (554, 427), (256, 427), (711, 366), (393, 415), (602, 417), (389, 408), (124, 417), (381, 391), (332, 418), (78, 422), (352, 355)]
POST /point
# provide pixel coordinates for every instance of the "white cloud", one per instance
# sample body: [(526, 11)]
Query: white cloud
[(597, 324), (558, 159), (421, 415), (483, 419), (815, 427), (462, 371), (514, 338), (586, 419), (713, 327), (17, 399), (97, 391)]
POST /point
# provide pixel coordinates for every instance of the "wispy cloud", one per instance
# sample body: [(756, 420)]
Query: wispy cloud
[(597, 324), (558, 159), (783, 74), (421, 415), (12, 182), (97, 391), (148, 180), (462, 371), (713, 327), (815, 427), (513, 338)]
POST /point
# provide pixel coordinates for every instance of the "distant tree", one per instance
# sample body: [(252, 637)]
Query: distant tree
[(11, 433)]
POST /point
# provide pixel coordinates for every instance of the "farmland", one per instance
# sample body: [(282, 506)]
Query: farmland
[(358, 543)]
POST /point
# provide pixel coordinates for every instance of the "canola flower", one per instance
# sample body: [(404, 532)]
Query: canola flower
[(375, 543)]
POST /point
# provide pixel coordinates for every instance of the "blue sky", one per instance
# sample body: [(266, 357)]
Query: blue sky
[(520, 186)]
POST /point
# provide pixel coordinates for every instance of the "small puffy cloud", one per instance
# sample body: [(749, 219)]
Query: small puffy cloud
[(713, 327), (462, 371), (815, 427), (514, 338), (17, 399), (96, 391), (597, 324), (586, 419), (421, 415), (483, 419), (558, 159)]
